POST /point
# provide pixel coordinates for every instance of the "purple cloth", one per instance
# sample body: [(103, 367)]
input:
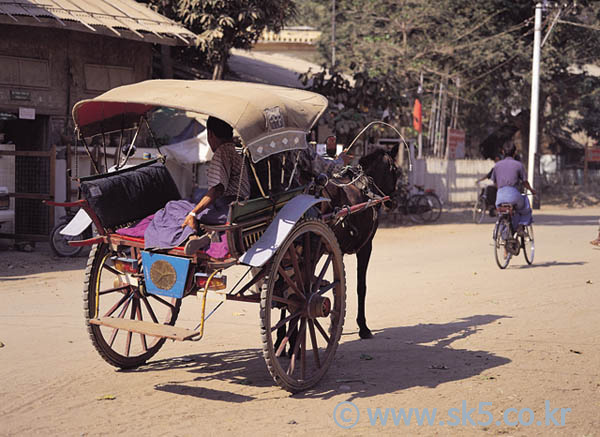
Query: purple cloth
[(165, 231), (138, 229), (508, 173)]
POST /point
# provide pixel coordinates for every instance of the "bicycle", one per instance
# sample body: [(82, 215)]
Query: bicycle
[(508, 242), (482, 205), (423, 206)]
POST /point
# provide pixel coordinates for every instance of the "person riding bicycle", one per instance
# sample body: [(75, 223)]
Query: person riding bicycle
[(508, 175)]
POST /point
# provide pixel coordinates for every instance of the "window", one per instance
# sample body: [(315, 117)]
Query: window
[(106, 77), (24, 72)]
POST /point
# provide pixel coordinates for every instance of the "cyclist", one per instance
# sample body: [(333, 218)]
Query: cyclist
[(508, 175)]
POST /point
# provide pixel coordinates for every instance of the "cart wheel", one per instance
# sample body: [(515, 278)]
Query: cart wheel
[(109, 292), (305, 301)]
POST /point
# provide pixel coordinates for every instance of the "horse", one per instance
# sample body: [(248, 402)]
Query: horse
[(355, 233)]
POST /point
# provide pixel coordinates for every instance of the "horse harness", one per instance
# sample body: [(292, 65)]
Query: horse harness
[(361, 181)]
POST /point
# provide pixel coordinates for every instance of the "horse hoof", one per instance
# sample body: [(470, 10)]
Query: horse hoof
[(365, 333)]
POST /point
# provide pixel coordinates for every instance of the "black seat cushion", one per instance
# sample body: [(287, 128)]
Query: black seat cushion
[(130, 194)]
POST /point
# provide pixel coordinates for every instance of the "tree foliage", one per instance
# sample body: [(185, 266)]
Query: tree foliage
[(480, 51), (225, 24)]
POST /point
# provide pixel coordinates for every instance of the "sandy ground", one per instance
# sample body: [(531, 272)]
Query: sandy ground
[(451, 330)]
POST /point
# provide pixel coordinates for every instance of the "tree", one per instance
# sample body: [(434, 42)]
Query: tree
[(486, 45), (225, 24)]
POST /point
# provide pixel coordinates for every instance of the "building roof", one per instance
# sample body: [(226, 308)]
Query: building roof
[(119, 18)]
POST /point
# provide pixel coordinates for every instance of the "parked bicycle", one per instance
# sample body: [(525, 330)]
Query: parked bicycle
[(508, 241), (485, 202), (419, 204)]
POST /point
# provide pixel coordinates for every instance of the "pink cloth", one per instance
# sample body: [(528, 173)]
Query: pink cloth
[(218, 250), (138, 229)]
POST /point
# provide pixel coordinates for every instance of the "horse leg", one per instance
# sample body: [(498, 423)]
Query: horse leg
[(363, 256)]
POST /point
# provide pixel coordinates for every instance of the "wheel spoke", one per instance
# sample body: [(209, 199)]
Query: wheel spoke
[(292, 285), (313, 340), (297, 272), (112, 270), (301, 331), (112, 290), (322, 273), (322, 331), (303, 351), (287, 337), (328, 287), (140, 318), (117, 305), (150, 310), (284, 321), (164, 302)]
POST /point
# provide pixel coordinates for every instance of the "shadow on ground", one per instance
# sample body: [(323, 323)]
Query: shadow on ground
[(395, 359)]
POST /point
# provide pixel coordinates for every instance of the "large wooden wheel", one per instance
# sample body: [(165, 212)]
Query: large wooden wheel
[(303, 306), (109, 292)]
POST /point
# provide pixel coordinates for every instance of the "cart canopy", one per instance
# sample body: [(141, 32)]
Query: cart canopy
[(269, 119)]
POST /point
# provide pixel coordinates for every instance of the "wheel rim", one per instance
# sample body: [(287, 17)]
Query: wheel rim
[(479, 210), (414, 208), (307, 281), (435, 207), (60, 242), (527, 243), (501, 255), (113, 293)]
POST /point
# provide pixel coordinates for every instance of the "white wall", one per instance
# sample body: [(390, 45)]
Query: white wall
[(452, 180)]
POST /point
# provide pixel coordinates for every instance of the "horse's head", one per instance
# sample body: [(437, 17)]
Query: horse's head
[(381, 167)]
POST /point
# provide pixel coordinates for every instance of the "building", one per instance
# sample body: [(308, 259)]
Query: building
[(51, 56)]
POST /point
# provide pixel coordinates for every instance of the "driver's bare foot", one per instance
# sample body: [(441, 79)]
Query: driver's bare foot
[(195, 243), (595, 242)]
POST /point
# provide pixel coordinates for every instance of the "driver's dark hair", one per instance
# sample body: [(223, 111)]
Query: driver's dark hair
[(218, 127), (509, 149)]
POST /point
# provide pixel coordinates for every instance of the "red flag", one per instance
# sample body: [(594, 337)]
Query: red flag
[(417, 116)]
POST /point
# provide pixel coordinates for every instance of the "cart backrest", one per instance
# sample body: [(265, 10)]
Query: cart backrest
[(130, 194), (253, 217)]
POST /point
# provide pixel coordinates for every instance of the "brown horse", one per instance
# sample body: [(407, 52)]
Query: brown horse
[(355, 233)]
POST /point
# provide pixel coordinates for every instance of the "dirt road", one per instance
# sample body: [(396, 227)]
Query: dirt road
[(452, 331)]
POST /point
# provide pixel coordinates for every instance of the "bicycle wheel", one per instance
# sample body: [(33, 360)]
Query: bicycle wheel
[(60, 243), (500, 235), (479, 209), (434, 210), (414, 206), (527, 244)]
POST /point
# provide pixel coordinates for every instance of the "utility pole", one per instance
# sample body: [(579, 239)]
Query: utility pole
[(535, 97), (333, 34), (420, 92)]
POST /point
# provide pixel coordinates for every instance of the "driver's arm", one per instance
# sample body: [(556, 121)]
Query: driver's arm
[(212, 194)]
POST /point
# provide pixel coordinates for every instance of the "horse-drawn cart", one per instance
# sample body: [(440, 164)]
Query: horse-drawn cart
[(132, 295)]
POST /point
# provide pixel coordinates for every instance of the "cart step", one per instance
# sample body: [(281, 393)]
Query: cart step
[(148, 328)]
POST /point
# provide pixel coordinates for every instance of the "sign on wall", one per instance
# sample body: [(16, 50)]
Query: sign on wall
[(456, 144), (26, 113)]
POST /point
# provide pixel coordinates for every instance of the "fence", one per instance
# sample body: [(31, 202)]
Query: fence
[(453, 180)]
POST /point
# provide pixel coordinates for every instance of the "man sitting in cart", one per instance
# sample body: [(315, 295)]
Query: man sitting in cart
[(227, 180)]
